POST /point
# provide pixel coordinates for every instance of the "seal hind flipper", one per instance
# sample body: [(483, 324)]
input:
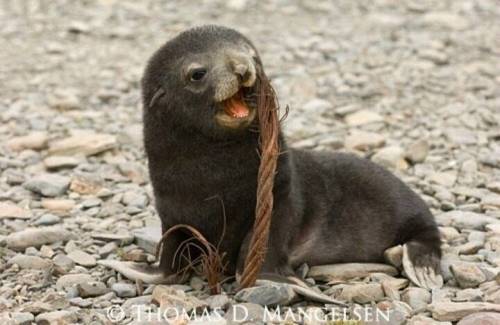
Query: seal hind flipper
[(421, 267)]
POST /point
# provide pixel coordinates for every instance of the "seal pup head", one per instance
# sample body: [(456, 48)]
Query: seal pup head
[(204, 79)]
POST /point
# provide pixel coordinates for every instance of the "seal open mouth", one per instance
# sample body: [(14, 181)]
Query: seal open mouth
[(239, 110), (236, 106)]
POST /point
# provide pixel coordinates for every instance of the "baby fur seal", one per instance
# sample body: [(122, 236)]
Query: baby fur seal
[(203, 162)]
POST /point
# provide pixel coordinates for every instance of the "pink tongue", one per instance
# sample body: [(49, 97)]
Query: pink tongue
[(236, 107)]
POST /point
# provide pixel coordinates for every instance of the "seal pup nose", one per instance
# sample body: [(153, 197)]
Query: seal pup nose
[(243, 65)]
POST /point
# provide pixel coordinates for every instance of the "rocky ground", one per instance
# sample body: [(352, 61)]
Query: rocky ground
[(412, 85)]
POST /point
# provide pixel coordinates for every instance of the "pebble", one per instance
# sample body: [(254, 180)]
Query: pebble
[(455, 311), (469, 295), (123, 238), (147, 238), (70, 280), (64, 100), (58, 204), (59, 162), (124, 290), (417, 151), (435, 56), (465, 220), (267, 295), (10, 210), (91, 289), (57, 317), (22, 318), (168, 297), (446, 179), (481, 319), (134, 199), (50, 185), (63, 262), (467, 275), (445, 20), (362, 293), (361, 140), (84, 144), (82, 258), (47, 220), (391, 158), (36, 237), (363, 117), (33, 141), (417, 298), (30, 262)]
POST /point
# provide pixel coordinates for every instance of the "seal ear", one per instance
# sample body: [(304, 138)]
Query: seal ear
[(158, 93)]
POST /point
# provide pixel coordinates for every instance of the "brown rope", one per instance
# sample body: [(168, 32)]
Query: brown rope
[(267, 109)]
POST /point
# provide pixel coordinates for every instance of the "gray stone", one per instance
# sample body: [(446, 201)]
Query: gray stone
[(454, 311), (362, 293), (147, 238), (58, 162), (10, 210), (21, 318), (30, 262), (491, 201), (92, 289), (417, 298), (446, 179), (47, 219), (267, 295), (467, 275), (362, 117), (82, 258), (87, 144), (124, 290), (70, 280), (417, 151), (361, 140), (131, 198), (36, 237), (33, 141), (435, 56), (463, 219), (137, 301), (56, 317), (391, 157), (469, 295), (168, 297), (444, 19), (50, 185), (63, 262), (481, 319)]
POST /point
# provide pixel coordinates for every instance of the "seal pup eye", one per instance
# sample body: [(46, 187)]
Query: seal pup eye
[(197, 74)]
